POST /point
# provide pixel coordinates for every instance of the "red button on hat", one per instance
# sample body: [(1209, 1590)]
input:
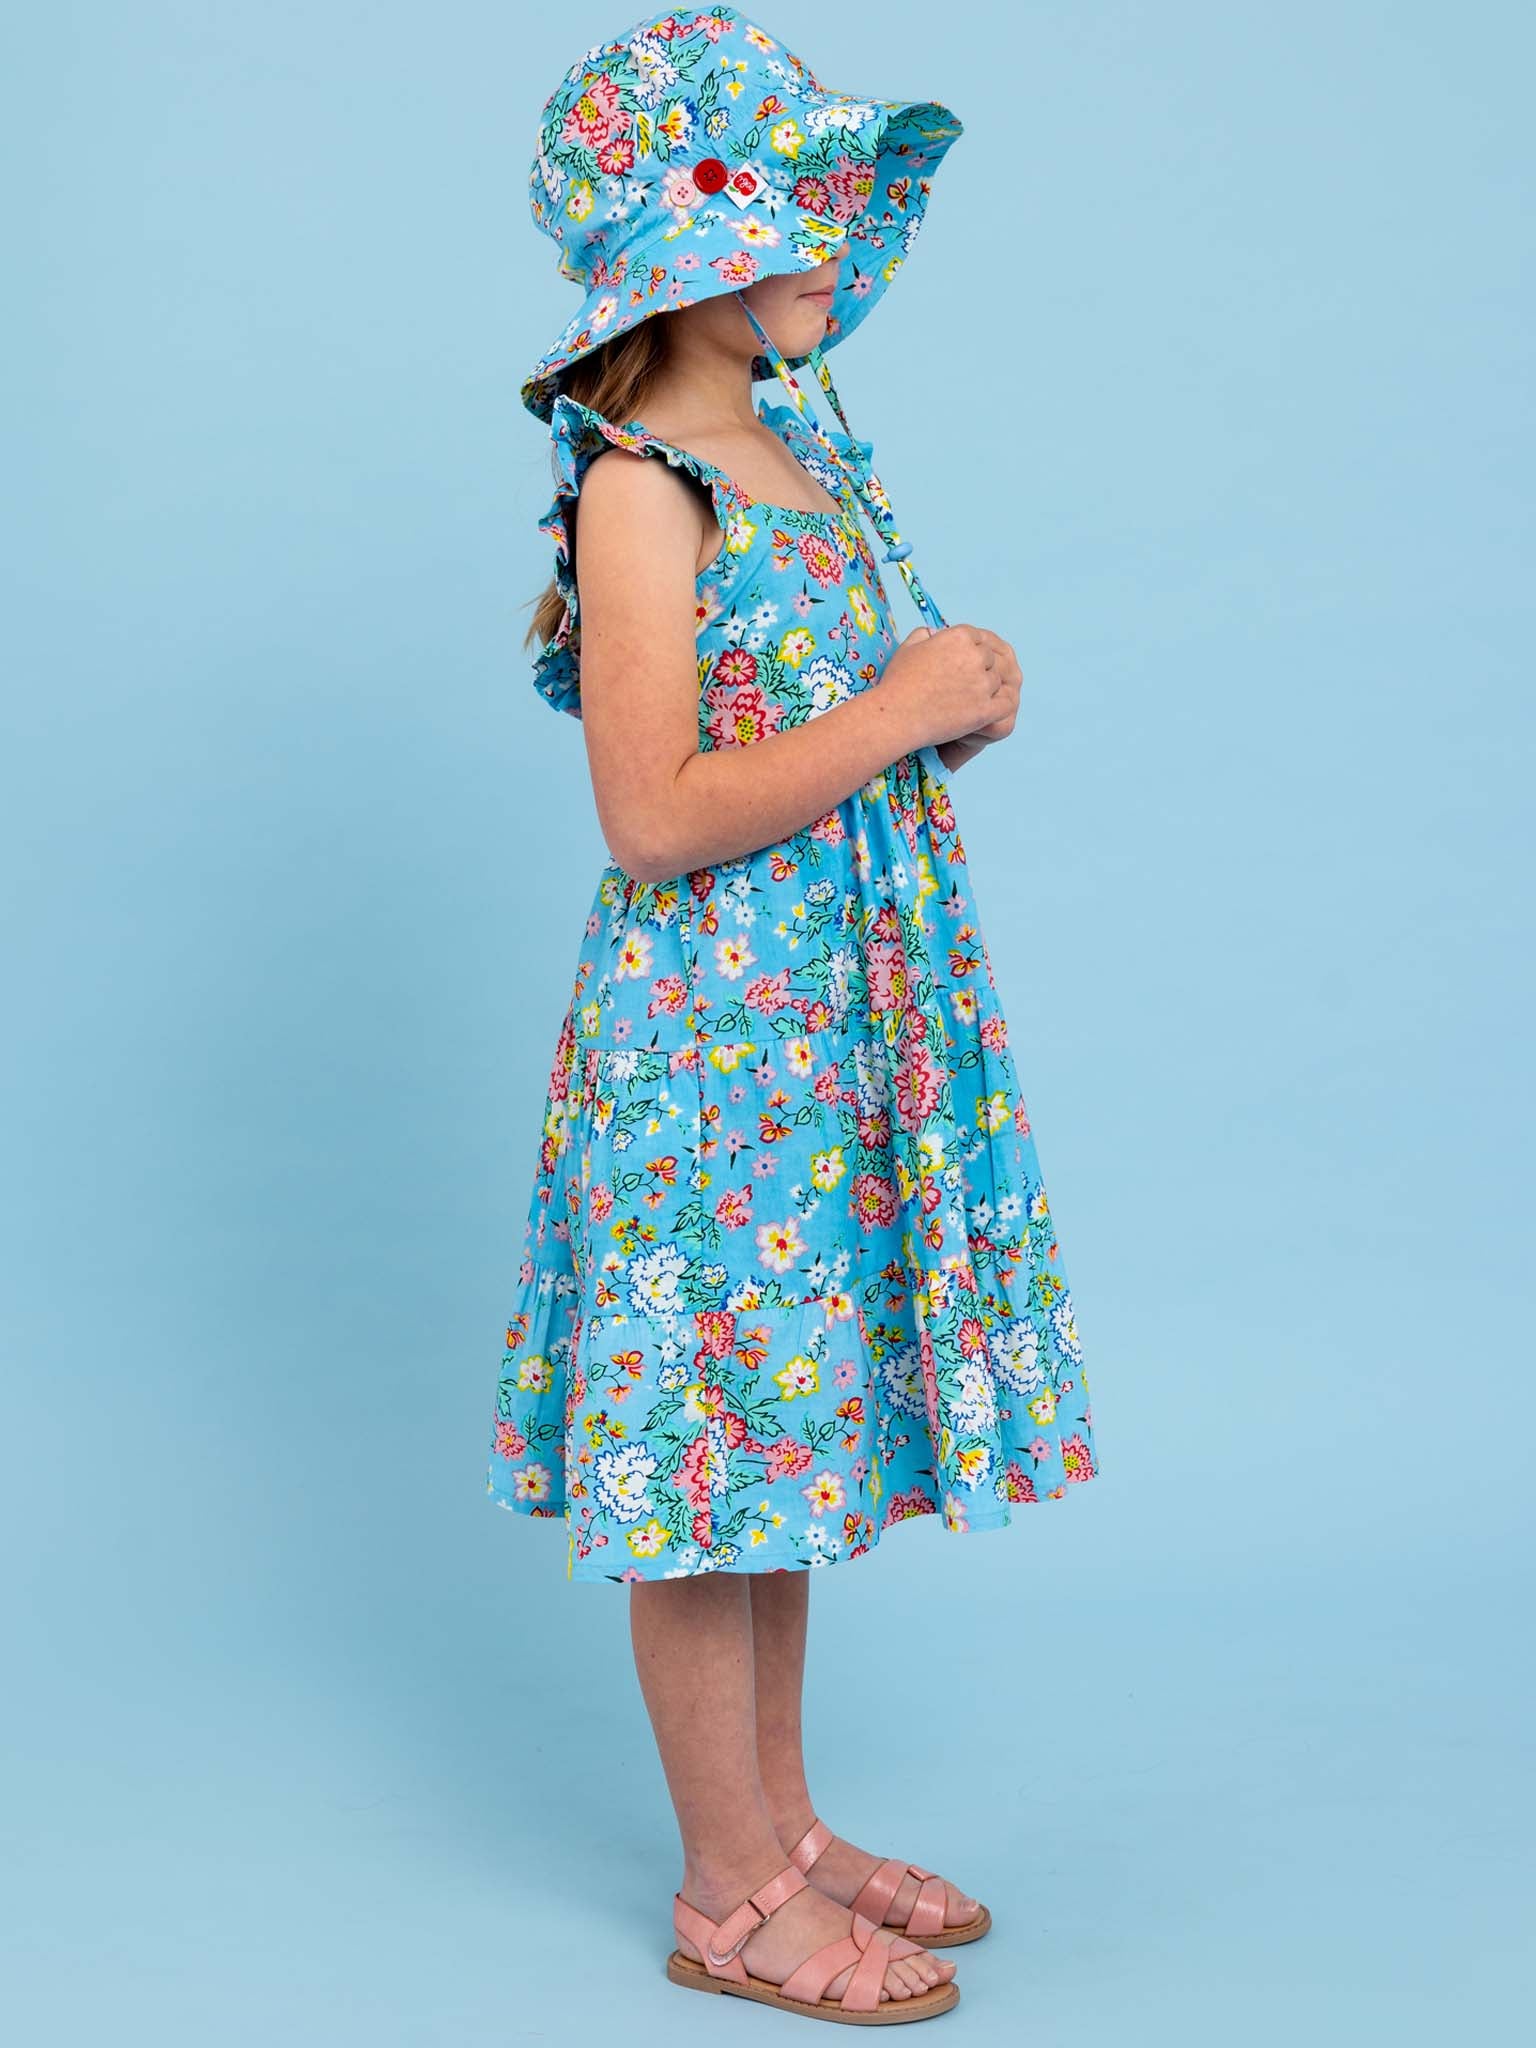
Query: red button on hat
[(709, 174)]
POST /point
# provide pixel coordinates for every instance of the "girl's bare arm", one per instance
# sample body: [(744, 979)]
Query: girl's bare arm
[(666, 807)]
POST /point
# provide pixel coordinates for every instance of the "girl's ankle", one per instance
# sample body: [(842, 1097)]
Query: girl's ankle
[(717, 1885)]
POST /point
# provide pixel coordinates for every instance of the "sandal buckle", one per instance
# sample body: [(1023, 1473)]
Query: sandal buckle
[(713, 1954)]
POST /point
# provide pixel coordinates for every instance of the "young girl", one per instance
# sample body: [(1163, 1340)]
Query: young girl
[(791, 1274)]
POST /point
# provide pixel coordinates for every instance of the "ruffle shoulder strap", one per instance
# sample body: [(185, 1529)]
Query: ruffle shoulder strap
[(577, 434)]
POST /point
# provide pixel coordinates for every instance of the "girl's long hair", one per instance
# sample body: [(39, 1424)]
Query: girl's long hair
[(614, 380)]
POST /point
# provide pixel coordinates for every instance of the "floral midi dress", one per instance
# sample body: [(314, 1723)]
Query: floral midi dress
[(790, 1274)]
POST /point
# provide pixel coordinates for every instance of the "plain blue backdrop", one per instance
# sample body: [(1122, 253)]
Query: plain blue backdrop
[(1209, 384)]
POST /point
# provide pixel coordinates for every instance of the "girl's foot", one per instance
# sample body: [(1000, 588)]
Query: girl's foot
[(803, 1924), (841, 1870)]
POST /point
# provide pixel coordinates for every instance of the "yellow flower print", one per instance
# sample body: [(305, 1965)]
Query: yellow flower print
[(1043, 1406), (798, 1056), (725, 1059), (733, 957), (591, 1019), (993, 1111), (829, 238), (648, 1539), (534, 1374), (798, 1377), (787, 139), (931, 1151), (825, 1491), (579, 204), (739, 533), (779, 1245), (828, 1168), (972, 1462), (756, 232), (964, 1004), (634, 958), (797, 646), (863, 610)]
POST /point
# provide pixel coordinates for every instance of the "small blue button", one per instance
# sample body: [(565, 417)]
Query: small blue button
[(900, 552)]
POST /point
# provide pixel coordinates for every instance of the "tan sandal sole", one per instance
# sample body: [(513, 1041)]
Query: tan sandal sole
[(949, 1937), (889, 2013)]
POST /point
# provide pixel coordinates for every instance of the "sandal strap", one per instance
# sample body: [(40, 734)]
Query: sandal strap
[(737, 1928), (879, 1888), (811, 1844), (927, 1914), (866, 1950)]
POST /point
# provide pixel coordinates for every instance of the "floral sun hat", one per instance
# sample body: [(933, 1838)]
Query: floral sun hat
[(695, 153)]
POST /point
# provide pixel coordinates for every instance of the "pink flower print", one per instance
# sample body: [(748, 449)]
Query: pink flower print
[(717, 1333), (846, 1373), (739, 267), (1017, 1483), (510, 1441), (802, 604), (930, 1375), (733, 1211), (972, 1337), (787, 1458), (740, 717), (735, 668), (691, 1477), (823, 563), (886, 967), (669, 996), (1076, 1457), (994, 1032), (874, 1199), (768, 993), (596, 116), (917, 1088), (850, 186), (616, 158), (902, 1506)]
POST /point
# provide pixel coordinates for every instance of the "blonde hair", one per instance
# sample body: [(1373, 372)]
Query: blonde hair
[(614, 379)]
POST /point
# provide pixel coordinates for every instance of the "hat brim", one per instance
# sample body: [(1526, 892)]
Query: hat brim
[(895, 144)]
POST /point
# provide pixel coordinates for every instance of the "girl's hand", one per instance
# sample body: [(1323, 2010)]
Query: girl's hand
[(959, 684)]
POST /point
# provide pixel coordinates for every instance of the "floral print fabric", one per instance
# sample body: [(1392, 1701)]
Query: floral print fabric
[(790, 1272)]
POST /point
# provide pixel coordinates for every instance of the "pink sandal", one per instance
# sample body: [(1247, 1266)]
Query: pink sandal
[(720, 1942), (925, 1923)]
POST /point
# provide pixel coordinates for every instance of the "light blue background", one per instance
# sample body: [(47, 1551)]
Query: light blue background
[(1209, 384)]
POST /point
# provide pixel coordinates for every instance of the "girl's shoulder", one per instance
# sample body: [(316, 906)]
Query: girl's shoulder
[(578, 435)]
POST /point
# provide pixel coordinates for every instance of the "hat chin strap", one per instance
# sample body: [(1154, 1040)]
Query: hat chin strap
[(851, 467)]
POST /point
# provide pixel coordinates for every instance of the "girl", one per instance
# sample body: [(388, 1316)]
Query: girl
[(791, 1273)]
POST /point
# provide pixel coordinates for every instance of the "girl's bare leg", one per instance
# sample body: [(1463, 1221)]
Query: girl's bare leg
[(780, 1609), (693, 1643)]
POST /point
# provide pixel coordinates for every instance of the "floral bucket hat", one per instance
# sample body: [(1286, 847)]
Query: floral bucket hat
[(695, 153)]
